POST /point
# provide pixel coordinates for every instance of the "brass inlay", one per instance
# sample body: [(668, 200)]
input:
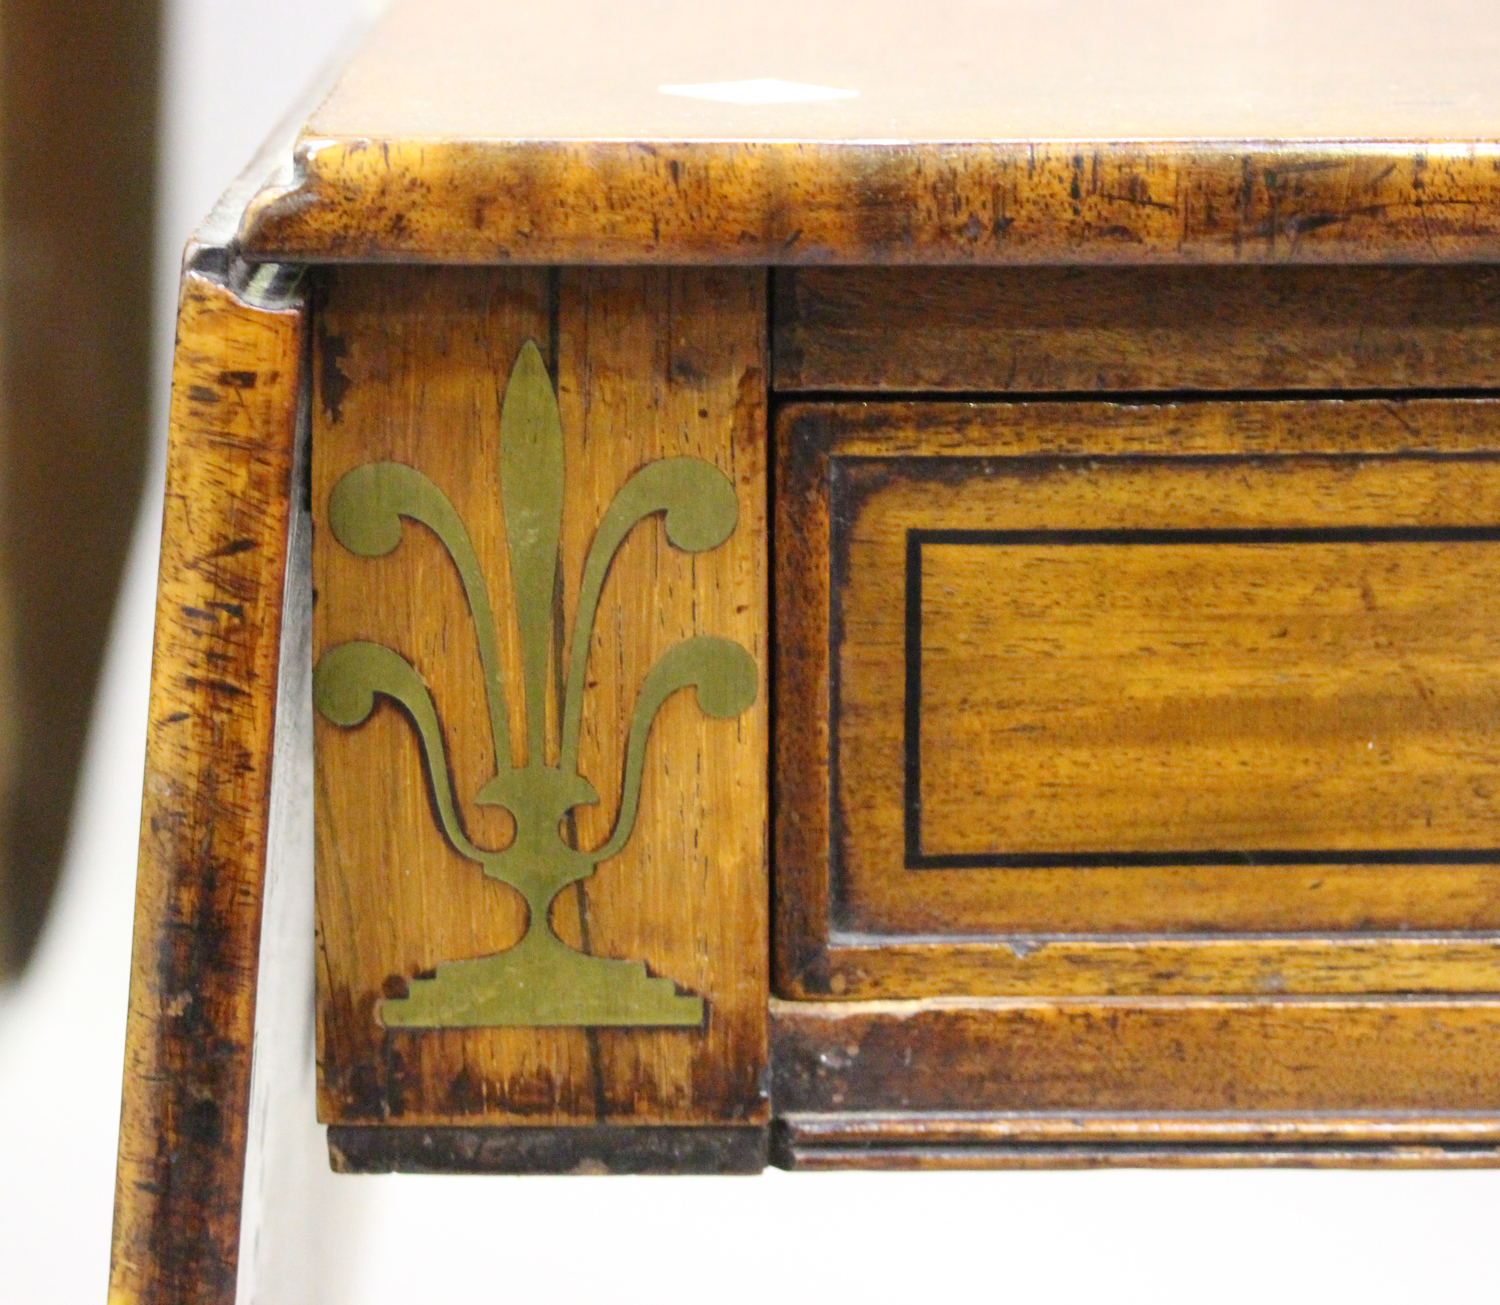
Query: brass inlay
[(541, 980)]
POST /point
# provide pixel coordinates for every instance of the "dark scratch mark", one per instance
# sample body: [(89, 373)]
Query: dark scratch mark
[(333, 383), (225, 550), (214, 686)]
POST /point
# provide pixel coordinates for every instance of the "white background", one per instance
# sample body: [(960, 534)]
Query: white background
[(232, 68)]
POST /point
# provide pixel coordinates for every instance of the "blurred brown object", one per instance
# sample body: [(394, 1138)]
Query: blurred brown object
[(78, 95)]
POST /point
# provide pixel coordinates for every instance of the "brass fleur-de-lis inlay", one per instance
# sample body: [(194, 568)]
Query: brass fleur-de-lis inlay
[(540, 980)]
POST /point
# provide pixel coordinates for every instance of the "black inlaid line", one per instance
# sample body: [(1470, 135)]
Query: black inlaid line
[(1299, 535), (1159, 860), (915, 859), (913, 722), (785, 396)]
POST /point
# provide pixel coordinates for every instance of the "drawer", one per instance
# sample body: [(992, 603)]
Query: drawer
[(1144, 699)]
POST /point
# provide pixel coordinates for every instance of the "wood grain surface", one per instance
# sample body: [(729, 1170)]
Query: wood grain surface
[(1156, 690), (183, 1124), (410, 366), (1196, 1060), (760, 203), (945, 70), (1260, 131), (1115, 329), (893, 967), (1392, 649)]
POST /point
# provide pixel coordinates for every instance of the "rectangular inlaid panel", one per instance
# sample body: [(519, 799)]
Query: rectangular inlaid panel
[(1199, 697), (1168, 694), (499, 458), (1172, 698)]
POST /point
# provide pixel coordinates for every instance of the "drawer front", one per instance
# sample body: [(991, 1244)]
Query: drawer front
[(1168, 698)]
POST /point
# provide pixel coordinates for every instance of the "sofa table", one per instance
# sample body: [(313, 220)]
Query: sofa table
[(888, 585)]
